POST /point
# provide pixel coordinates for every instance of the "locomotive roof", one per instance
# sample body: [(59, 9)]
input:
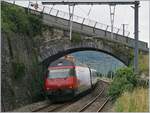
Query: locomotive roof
[(66, 62), (62, 62)]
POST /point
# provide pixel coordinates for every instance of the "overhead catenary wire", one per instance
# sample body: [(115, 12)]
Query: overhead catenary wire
[(87, 14), (82, 10)]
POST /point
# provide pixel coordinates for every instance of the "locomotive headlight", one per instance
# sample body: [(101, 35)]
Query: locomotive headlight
[(47, 88), (70, 86)]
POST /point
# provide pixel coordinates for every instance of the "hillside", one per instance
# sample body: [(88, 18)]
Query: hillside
[(99, 61)]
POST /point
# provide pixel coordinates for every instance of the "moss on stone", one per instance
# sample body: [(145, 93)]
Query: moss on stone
[(19, 69), (76, 38)]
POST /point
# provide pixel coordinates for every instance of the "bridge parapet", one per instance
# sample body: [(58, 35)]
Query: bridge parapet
[(65, 15)]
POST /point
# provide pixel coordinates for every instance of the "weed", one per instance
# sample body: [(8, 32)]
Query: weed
[(136, 101)]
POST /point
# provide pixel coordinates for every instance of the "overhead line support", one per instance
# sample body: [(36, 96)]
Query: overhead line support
[(86, 3)]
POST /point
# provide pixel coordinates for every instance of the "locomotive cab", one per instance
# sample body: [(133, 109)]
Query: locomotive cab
[(61, 79)]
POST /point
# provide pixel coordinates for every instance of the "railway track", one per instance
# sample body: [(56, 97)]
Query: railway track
[(88, 104), (34, 107), (51, 108), (98, 97), (99, 105), (60, 107), (102, 106), (93, 102)]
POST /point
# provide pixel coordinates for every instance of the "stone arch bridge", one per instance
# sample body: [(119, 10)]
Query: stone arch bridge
[(56, 48), (94, 36)]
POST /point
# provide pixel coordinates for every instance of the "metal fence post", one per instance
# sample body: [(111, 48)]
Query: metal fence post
[(82, 23), (94, 27), (57, 13), (43, 9), (106, 30)]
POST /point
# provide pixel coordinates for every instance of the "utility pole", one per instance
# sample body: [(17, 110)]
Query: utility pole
[(136, 35)]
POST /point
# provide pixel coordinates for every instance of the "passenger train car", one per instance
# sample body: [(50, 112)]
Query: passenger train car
[(65, 78)]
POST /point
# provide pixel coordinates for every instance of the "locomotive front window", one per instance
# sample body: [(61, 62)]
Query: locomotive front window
[(60, 73)]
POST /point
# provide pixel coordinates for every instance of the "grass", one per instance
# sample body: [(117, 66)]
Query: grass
[(129, 93), (136, 101)]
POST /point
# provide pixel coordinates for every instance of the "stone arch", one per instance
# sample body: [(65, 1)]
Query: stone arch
[(52, 51)]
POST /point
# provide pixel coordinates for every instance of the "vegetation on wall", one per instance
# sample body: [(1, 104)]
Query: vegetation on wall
[(76, 38), (131, 57), (19, 30), (143, 61), (18, 69), (36, 86), (144, 64), (16, 19)]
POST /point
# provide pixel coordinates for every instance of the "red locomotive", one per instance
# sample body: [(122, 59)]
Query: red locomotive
[(65, 79)]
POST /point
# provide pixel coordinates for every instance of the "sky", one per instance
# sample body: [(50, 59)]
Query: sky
[(124, 14)]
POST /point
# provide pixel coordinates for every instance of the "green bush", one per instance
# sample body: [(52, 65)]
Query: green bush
[(124, 80)]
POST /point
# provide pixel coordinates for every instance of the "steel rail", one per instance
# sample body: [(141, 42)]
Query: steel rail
[(53, 107), (59, 107), (36, 110), (102, 106), (88, 104)]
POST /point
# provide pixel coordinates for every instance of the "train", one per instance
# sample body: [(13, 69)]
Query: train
[(66, 79)]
